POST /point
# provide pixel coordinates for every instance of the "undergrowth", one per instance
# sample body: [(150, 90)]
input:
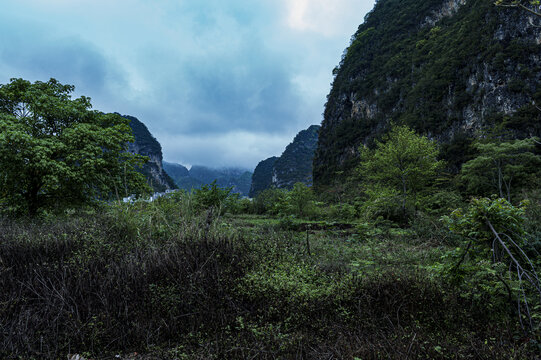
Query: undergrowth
[(177, 281)]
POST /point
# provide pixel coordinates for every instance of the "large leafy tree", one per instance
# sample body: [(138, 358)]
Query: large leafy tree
[(402, 166), (56, 152), (501, 167)]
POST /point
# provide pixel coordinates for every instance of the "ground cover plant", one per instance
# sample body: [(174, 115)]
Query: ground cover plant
[(176, 278)]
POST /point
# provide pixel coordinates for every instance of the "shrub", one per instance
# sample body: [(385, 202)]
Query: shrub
[(211, 196)]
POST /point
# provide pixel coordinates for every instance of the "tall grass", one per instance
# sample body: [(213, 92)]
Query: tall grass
[(169, 278)]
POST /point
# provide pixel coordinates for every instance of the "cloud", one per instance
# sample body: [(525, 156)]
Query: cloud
[(329, 18), (216, 150), (31, 52), (233, 80)]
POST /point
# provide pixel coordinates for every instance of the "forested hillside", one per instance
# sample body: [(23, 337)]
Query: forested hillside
[(293, 166), (454, 70)]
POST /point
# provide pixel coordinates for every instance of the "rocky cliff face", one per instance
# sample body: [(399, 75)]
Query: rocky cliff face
[(451, 69), (295, 164), (145, 144)]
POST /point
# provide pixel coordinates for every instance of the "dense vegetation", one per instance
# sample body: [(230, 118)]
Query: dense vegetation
[(454, 78), (55, 152), (399, 259), (209, 275)]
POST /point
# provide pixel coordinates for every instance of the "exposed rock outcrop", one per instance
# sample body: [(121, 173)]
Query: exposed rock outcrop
[(448, 68), (145, 144)]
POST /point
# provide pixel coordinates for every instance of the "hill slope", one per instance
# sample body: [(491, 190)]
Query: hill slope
[(238, 179), (262, 177), (295, 164), (450, 69)]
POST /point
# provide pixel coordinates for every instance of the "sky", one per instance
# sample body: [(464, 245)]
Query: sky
[(217, 82)]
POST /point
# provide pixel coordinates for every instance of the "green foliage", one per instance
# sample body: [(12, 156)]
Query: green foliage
[(502, 168), (398, 170), (342, 212), (56, 153), (495, 230), (147, 275), (266, 202), (440, 202), (299, 200), (472, 223), (211, 196), (426, 75)]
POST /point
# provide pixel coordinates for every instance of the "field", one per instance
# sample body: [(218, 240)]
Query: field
[(170, 282)]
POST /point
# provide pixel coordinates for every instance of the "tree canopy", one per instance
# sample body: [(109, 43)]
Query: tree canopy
[(402, 166), (501, 167), (56, 152)]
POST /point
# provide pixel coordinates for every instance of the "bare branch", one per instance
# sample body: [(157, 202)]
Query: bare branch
[(521, 273), (529, 10), (518, 5)]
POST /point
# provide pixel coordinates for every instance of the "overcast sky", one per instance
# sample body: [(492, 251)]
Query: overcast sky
[(217, 82)]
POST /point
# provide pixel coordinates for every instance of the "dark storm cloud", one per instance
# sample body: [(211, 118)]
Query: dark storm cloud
[(258, 100), (31, 54), (217, 82)]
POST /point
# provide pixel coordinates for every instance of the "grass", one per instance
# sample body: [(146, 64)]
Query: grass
[(166, 280)]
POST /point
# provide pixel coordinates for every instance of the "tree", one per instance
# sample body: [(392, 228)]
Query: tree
[(300, 199), (211, 196), (403, 165), (501, 166), (495, 228), (56, 152), (266, 202)]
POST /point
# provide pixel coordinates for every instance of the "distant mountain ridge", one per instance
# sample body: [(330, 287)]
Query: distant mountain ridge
[(145, 144), (237, 178), (293, 166)]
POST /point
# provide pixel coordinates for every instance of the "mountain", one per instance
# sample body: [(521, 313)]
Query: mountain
[(451, 69), (145, 144), (262, 177), (295, 164), (175, 170), (237, 178)]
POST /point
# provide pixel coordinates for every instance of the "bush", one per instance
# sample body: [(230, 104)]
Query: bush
[(440, 203), (341, 212), (494, 231), (267, 201), (211, 196)]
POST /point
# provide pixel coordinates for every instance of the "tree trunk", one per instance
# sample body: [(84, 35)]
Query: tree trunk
[(32, 197), (500, 187), (404, 194)]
